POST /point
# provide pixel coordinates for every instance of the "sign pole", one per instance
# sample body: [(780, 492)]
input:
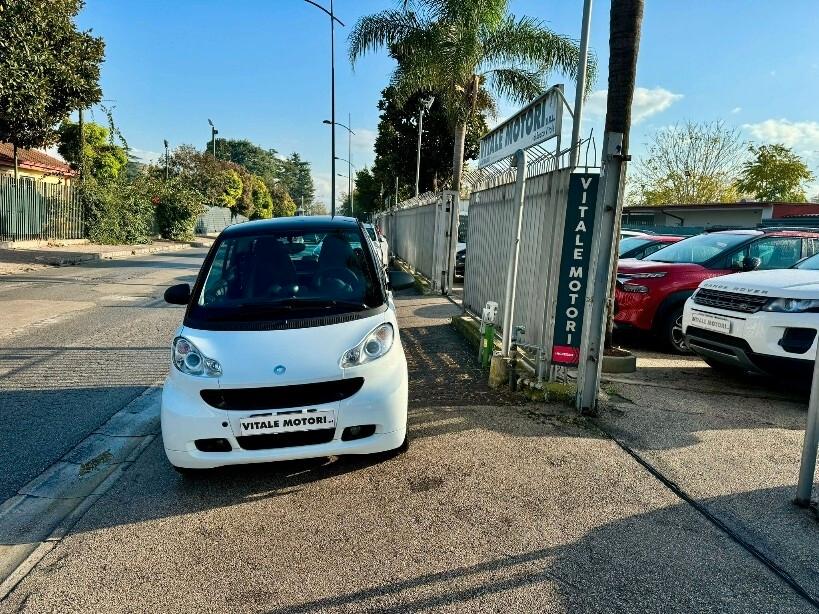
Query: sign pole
[(807, 468), (608, 210), (512, 270), (580, 92)]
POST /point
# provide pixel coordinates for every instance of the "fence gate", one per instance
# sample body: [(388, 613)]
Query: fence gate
[(31, 210)]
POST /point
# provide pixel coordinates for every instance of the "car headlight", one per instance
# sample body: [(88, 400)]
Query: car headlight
[(792, 305), (188, 359), (377, 343)]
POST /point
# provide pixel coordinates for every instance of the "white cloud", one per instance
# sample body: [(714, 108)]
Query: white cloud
[(647, 102), (148, 157), (736, 110)]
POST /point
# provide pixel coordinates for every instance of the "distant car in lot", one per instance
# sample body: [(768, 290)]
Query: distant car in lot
[(460, 262), (640, 246), (651, 293), (287, 350), (380, 241), (761, 321)]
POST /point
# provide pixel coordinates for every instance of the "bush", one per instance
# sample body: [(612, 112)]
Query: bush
[(177, 208), (116, 212)]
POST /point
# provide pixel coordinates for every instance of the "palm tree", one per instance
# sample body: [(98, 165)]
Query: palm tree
[(466, 52)]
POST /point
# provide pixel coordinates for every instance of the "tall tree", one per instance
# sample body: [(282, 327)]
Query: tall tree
[(466, 52), (367, 192), (48, 69), (103, 160), (690, 163), (257, 160), (397, 141), (774, 173), (294, 174)]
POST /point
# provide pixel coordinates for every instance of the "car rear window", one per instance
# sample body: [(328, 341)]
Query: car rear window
[(698, 249), (630, 243), (370, 231), (289, 274)]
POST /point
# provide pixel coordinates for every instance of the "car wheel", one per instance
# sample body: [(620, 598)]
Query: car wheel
[(672, 332)]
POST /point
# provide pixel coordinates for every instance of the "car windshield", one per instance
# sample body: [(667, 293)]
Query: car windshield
[(288, 274), (699, 249), (629, 243), (809, 264)]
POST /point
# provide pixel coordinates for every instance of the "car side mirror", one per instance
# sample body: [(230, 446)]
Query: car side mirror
[(400, 280), (750, 264), (180, 294)]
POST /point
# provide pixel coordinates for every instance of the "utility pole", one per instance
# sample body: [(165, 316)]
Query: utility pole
[(425, 106), (213, 133), (167, 159), (333, 20), (624, 41), (580, 92)]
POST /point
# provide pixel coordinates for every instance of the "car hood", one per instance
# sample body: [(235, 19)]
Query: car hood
[(780, 283), (250, 358), (632, 265)]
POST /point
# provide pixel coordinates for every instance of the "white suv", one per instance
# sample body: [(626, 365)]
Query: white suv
[(761, 321)]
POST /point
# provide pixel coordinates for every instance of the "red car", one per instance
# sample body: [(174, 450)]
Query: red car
[(651, 292)]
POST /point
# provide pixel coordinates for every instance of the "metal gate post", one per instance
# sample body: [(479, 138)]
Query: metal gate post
[(605, 225), (807, 468), (512, 271), (452, 200)]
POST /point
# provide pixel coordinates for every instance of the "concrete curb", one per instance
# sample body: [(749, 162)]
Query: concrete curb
[(47, 507)]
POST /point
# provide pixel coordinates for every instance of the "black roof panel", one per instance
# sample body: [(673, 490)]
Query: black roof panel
[(297, 222)]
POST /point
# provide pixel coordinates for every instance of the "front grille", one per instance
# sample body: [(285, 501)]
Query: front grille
[(286, 440), (730, 301), (282, 397)]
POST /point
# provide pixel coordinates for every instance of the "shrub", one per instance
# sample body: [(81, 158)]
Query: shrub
[(177, 208), (116, 212)]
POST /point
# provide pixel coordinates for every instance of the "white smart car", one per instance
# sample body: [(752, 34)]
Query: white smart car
[(289, 348), (760, 321), (380, 242)]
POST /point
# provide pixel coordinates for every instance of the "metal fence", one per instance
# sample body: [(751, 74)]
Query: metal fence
[(489, 242), (38, 210), (216, 219)]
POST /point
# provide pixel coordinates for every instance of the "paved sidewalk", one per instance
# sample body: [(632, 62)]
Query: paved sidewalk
[(497, 506), (28, 259)]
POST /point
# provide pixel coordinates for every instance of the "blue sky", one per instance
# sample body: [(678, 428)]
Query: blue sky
[(260, 70)]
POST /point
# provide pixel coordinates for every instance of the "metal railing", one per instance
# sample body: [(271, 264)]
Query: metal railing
[(39, 210), (216, 219)]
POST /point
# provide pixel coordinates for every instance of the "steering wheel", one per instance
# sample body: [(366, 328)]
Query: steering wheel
[(337, 278)]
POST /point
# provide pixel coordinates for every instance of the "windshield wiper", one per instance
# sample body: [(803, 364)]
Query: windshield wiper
[(323, 302)]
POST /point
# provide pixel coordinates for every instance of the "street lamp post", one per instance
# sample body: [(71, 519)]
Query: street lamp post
[(351, 189), (425, 106), (333, 20), (166, 159), (213, 133), (350, 134)]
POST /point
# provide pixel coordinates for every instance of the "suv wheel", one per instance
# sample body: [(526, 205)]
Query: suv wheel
[(672, 332)]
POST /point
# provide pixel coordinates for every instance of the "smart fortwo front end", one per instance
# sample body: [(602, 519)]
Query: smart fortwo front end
[(289, 349)]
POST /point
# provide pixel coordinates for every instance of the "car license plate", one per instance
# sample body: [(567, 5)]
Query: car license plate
[(269, 424), (709, 322)]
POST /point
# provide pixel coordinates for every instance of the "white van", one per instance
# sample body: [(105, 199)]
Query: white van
[(289, 348)]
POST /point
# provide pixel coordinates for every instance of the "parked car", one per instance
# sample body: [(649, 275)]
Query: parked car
[(460, 262), (761, 321), (380, 241), (631, 233), (651, 293), (640, 246), (283, 352)]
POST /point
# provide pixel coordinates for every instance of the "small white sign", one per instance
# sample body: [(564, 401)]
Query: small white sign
[(534, 124), (287, 423), (709, 322)]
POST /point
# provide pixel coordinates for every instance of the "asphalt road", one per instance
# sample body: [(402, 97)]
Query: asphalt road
[(498, 506), (77, 344)]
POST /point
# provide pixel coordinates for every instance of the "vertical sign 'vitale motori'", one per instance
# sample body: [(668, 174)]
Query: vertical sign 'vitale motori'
[(574, 268)]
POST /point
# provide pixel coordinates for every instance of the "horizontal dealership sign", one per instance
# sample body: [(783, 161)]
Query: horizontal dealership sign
[(534, 124)]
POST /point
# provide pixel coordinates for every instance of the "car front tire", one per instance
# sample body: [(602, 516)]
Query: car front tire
[(672, 332)]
